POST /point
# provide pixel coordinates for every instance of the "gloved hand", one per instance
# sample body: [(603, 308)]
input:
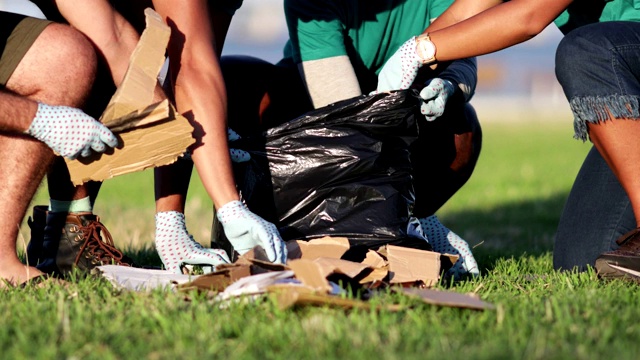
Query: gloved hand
[(401, 69), (237, 155), (177, 248), (443, 241), (435, 94), (245, 230), (69, 131)]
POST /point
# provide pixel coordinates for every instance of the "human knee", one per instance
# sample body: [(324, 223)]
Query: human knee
[(59, 68), (584, 48), (468, 143), (75, 57)]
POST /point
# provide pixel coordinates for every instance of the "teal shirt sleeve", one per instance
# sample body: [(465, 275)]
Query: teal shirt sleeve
[(315, 30), (437, 7)]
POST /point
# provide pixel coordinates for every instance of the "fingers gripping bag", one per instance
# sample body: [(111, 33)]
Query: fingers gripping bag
[(341, 170)]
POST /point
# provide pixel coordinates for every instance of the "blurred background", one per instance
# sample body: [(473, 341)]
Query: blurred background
[(514, 84)]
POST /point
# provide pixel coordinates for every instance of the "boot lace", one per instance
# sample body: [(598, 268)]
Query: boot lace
[(102, 251)]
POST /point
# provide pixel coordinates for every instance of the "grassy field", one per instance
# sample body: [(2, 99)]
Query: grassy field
[(508, 211)]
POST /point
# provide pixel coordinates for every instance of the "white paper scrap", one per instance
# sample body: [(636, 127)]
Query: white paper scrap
[(138, 279)]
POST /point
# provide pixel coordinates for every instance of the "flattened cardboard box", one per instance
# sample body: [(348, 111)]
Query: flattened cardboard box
[(149, 134), (315, 260)]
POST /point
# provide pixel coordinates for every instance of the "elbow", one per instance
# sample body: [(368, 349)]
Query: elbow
[(532, 25)]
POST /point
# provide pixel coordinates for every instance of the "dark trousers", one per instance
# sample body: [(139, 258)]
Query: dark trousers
[(596, 213)]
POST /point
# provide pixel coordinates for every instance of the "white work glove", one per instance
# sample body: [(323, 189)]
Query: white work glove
[(237, 155), (70, 132), (245, 230), (177, 248), (434, 97), (444, 241), (401, 69)]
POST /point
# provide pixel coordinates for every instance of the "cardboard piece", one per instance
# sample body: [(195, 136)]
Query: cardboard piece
[(217, 281), (448, 298), (328, 247), (310, 274), (149, 134), (408, 266), (310, 285), (289, 296)]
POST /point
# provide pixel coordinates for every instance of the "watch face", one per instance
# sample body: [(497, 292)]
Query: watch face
[(427, 50)]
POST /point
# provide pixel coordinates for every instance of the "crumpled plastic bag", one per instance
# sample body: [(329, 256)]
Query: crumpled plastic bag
[(341, 170)]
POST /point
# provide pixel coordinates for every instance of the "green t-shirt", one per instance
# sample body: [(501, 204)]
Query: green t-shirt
[(583, 12), (374, 29)]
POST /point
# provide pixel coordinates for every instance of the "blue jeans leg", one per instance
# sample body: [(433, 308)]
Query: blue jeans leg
[(596, 213)]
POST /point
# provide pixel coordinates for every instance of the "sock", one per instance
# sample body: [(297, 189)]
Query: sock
[(444, 240), (176, 247), (73, 206)]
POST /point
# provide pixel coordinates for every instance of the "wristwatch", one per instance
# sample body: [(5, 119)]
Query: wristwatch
[(426, 49)]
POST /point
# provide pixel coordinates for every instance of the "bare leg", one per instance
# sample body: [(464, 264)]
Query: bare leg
[(23, 166), (58, 69), (617, 141)]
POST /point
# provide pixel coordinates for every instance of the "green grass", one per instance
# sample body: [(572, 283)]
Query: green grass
[(509, 210)]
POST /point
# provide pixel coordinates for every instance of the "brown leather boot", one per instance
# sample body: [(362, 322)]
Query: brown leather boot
[(86, 243), (624, 262), (58, 239)]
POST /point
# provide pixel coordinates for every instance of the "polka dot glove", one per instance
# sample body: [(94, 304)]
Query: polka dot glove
[(401, 69), (177, 248), (434, 97), (245, 230), (237, 155), (70, 132), (443, 241)]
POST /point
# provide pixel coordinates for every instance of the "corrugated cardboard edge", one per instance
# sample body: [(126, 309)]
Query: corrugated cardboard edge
[(148, 144)]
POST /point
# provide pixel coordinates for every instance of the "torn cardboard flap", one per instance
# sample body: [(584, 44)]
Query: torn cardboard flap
[(137, 88), (141, 117), (408, 265), (448, 298), (218, 280), (310, 274), (147, 138), (330, 247)]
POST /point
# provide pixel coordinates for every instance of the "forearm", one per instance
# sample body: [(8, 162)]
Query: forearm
[(330, 80), (200, 92), (461, 10), (16, 112), (497, 28), (201, 97)]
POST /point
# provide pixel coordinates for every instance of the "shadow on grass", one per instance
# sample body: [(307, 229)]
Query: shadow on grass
[(508, 230)]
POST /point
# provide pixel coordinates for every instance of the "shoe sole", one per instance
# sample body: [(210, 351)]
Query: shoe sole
[(608, 271)]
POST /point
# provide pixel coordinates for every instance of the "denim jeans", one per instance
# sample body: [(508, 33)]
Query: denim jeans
[(598, 66), (596, 213)]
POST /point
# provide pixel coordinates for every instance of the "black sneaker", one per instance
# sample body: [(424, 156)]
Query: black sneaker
[(624, 262)]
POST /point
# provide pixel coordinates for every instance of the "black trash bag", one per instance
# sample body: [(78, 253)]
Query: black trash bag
[(342, 170)]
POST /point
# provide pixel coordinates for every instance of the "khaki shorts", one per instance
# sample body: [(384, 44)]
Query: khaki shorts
[(17, 34)]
